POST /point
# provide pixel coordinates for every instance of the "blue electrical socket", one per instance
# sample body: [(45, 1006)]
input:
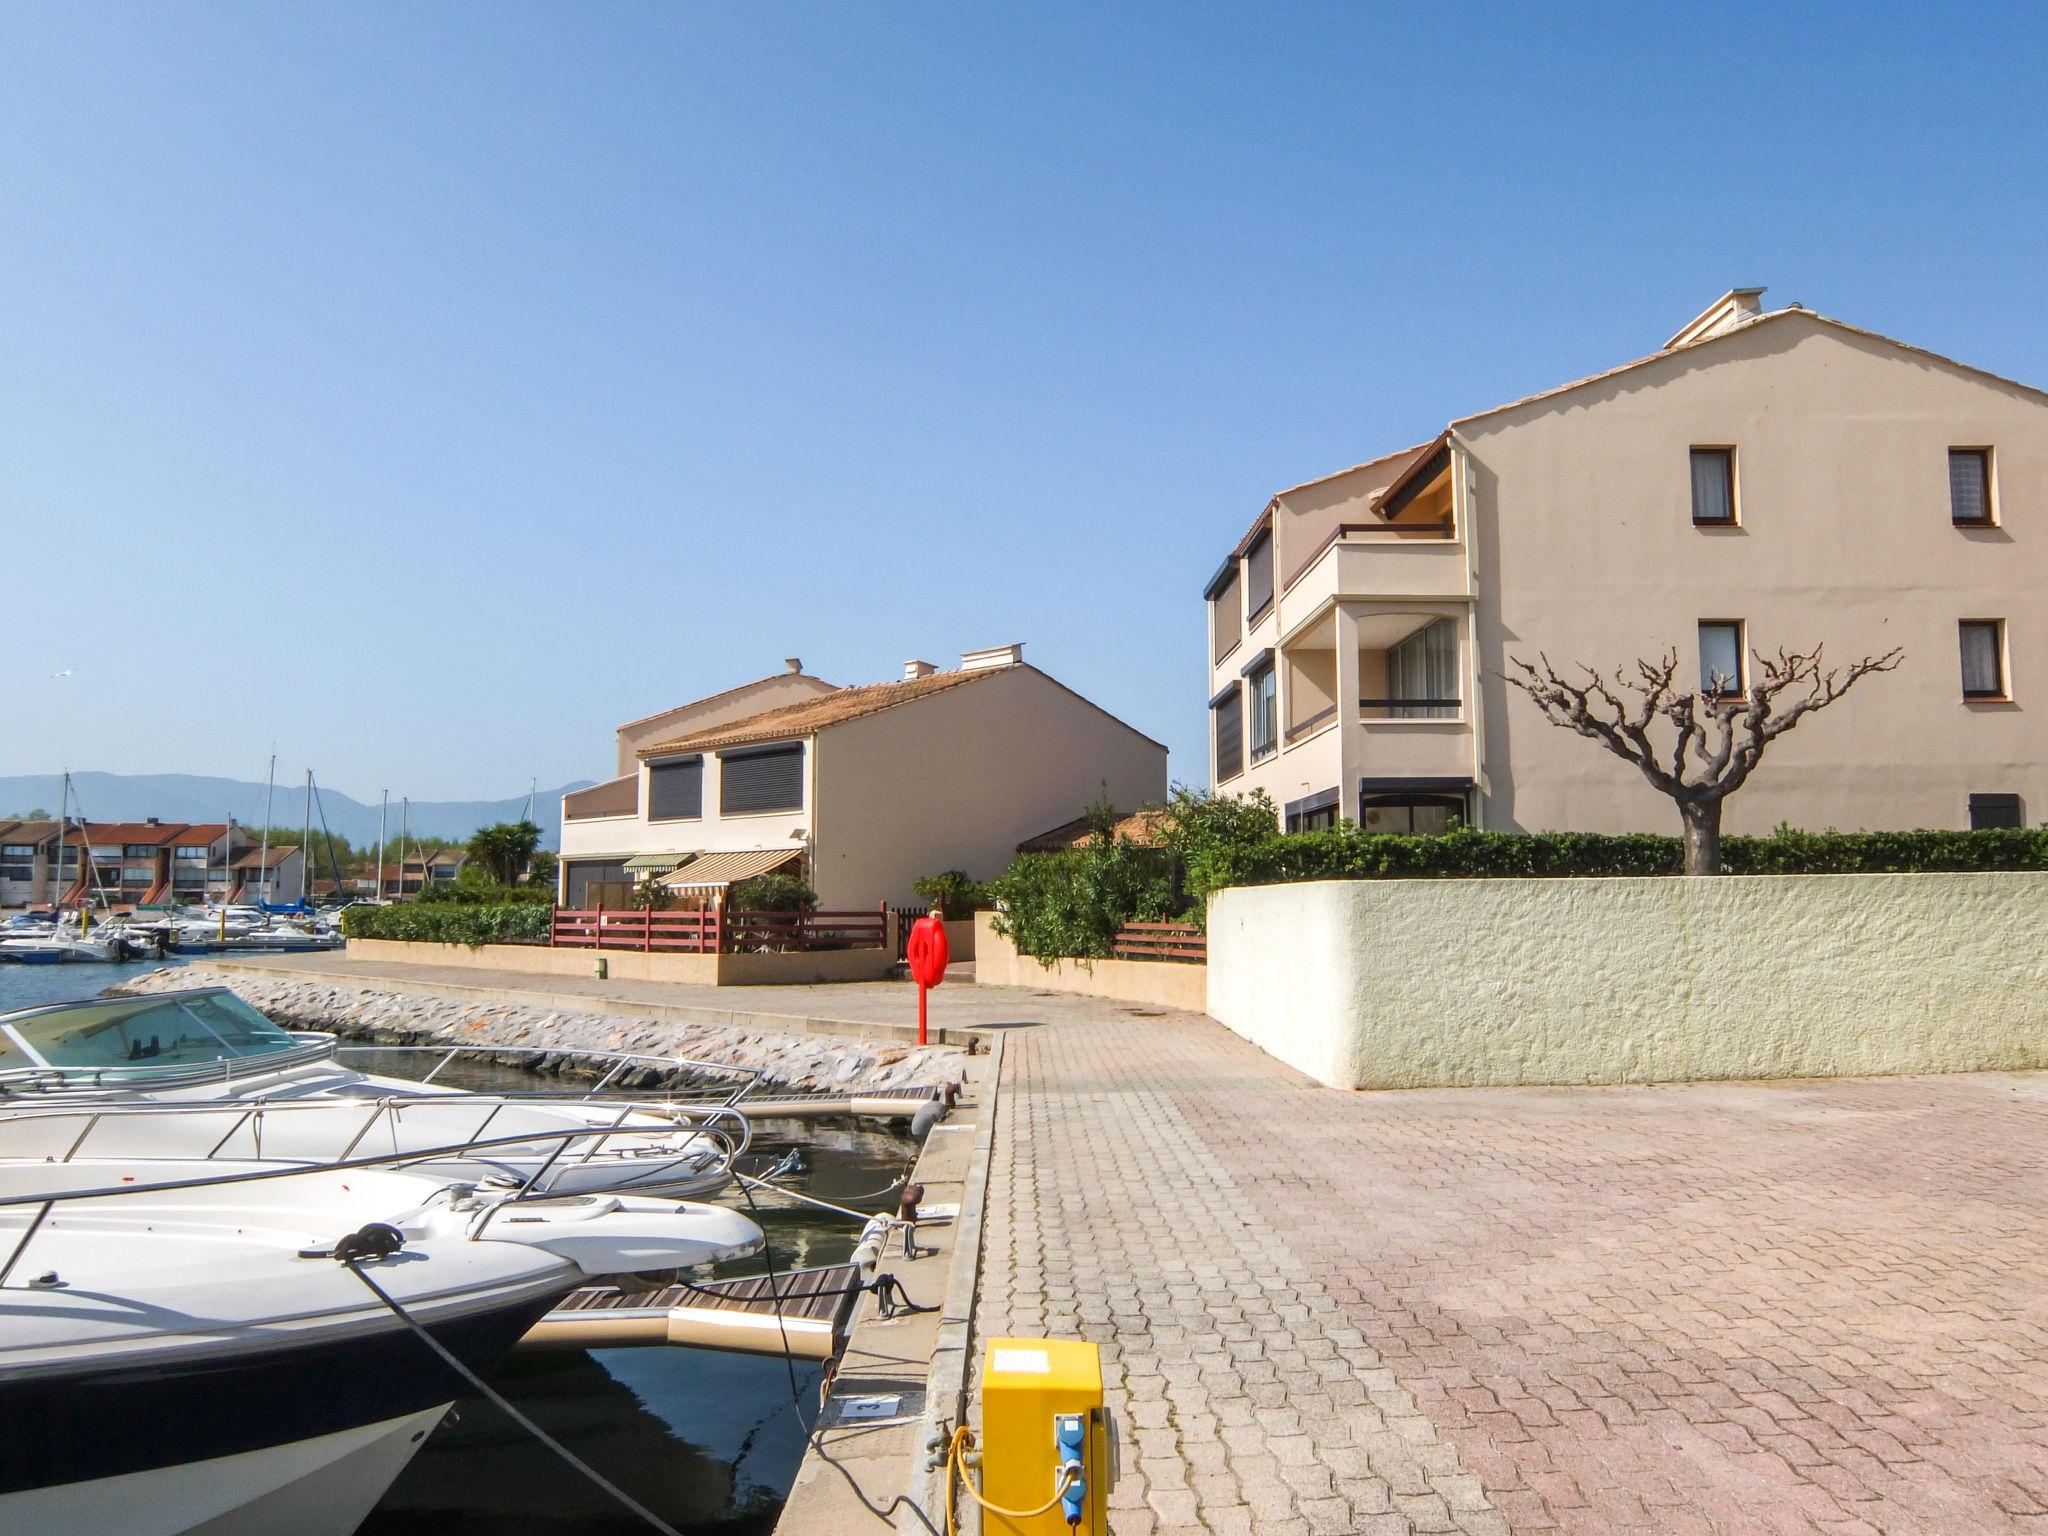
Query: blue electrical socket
[(1070, 1434)]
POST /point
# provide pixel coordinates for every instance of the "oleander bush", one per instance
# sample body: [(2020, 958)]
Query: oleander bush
[(1071, 903), (474, 924)]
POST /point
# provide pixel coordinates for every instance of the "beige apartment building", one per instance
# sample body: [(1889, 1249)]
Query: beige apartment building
[(1767, 478), (862, 790)]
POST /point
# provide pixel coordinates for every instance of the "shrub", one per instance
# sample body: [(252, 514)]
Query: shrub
[(773, 893), (952, 893), (1346, 853), (473, 888), (1072, 903), (453, 922)]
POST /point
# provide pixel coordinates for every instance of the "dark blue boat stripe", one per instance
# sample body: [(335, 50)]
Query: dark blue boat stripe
[(81, 1426)]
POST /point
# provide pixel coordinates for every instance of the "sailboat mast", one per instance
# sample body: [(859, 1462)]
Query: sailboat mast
[(404, 836), (306, 844), (263, 858), (383, 810)]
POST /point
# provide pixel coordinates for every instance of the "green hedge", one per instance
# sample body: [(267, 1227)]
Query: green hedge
[(520, 922), (1345, 853)]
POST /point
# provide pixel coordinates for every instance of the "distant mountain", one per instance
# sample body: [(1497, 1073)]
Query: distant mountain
[(190, 797)]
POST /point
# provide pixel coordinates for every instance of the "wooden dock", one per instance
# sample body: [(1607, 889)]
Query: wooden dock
[(737, 1315), (818, 1106)]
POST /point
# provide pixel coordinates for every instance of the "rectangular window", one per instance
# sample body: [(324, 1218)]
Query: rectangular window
[(757, 779), (1969, 487), (1988, 811), (1228, 716), (1422, 674), (190, 854), (1258, 578), (1410, 815), (1226, 617), (1721, 671), (1312, 813), (1261, 703), (675, 791), (1983, 658), (1713, 487)]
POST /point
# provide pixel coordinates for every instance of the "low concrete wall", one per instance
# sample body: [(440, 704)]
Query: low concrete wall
[(633, 965), (1432, 983), (1161, 983)]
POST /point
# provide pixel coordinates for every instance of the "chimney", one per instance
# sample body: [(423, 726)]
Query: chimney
[(793, 663), (913, 670), (1738, 306), (151, 822), (994, 656)]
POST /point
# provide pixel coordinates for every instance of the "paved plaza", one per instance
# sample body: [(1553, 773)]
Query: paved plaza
[(1788, 1307)]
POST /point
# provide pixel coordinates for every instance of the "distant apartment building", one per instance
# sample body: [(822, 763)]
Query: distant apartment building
[(1766, 479), (276, 874), (126, 864), (861, 789)]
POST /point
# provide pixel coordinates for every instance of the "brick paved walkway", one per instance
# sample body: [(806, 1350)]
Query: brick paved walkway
[(1813, 1307)]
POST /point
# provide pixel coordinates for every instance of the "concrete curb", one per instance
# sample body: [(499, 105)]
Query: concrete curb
[(576, 1002), (953, 1353)]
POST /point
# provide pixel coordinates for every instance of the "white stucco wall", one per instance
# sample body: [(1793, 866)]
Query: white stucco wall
[(1431, 983), (959, 778)]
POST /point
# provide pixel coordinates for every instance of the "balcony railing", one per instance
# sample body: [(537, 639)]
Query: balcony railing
[(1409, 709), (1377, 533), (615, 797)]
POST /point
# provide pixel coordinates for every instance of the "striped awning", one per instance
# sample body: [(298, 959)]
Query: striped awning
[(656, 863), (710, 871)]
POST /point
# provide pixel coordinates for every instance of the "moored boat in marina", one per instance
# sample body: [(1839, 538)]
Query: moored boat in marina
[(233, 1347), (71, 1072)]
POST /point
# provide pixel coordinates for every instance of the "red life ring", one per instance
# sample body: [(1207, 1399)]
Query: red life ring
[(927, 952)]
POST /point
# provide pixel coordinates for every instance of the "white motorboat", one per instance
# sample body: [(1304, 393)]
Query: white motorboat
[(67, 1069), (182, 1356), (38, 950)]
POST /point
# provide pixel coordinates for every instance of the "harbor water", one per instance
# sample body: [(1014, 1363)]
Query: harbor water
[(710, 1442)]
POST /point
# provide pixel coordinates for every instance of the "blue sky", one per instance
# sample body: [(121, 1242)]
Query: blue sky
[(428, 389)]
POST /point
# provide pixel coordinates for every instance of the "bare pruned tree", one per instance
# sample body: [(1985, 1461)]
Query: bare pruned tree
[(1717, 736)]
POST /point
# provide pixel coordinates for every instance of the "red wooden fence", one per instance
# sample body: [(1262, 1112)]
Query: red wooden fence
[(1162, 941), (684, 933), (711, 932)]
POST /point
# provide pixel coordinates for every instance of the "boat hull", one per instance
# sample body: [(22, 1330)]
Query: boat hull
[(222, 1446), (325, 1486)]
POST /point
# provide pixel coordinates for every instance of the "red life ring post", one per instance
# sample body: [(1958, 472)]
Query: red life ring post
[(928, 955)]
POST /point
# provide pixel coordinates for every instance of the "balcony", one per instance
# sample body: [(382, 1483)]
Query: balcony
[(1406, 747), (614, 797)]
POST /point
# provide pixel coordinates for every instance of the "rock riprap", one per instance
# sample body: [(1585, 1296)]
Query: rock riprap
[(397, 1017)]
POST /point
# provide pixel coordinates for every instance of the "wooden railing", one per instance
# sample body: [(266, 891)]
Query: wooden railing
[(1162, 941), (799, 931), (671, 933), (711, 932)]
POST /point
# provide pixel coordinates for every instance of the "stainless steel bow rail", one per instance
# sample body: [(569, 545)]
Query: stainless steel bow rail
[(729, 1129), (533, 1189), (311, 1049)]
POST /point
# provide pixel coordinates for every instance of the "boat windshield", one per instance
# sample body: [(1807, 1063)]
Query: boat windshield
[(146, 1031)]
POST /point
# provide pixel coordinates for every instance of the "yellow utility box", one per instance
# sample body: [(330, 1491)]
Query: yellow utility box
[(1041, 1408)]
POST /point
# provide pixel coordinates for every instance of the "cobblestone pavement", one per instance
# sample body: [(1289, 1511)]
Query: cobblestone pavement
[(1807, 1307)]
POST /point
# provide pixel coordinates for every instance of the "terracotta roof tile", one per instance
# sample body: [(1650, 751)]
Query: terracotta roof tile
[(133, 832), (828, 709), (1140, 827), (254, 858)]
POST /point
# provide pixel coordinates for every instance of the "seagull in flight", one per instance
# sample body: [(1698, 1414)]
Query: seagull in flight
[(65, 673)]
